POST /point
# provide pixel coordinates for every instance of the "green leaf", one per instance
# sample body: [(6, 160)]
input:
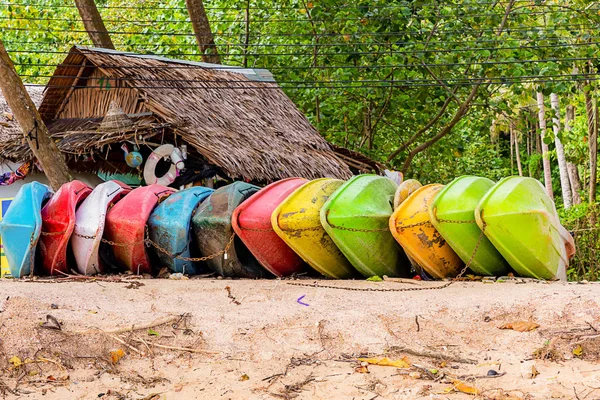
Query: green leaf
[(375, 278), (152, 332)]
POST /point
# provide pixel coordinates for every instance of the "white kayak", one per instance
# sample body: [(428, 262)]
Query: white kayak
[(89, 225)]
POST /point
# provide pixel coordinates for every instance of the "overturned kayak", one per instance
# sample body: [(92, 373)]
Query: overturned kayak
[(453, 216), (21, 227), (356, 218), (170, 229), (252, 223), (521, 222), (58, 223), (213, 232), (297, 221), (411, 226), (126, 227), (404, 190), (89, 225)]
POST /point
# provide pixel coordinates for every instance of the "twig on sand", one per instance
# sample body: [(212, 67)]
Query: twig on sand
[(432, 354), (469, 377), (188, 349), (125, 344), (117, 330)]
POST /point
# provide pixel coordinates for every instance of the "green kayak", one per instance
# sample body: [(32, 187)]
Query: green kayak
[(453, 215), (356, 218), (521, 221)]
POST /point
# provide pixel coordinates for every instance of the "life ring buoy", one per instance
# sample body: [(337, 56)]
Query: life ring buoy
[(158, 154)]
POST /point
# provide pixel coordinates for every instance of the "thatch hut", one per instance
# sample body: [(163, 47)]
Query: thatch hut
[(235, 122)]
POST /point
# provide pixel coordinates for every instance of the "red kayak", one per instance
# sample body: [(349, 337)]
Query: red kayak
[(251, 221), (126, 226), (58, 223)]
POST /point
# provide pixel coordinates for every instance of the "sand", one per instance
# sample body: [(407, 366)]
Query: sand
[(256, 341)]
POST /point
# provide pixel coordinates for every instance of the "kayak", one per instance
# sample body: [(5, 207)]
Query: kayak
[(404, 190), (58, 223), (251, 221), (356, 218), (521, 222), (21, 227), (170, 227), (126, 227), (213, 231), (297, 221), (411, 227), (453, 216), (90, 217)]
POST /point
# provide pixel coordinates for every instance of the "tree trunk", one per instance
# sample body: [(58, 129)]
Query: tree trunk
[(516, 139), (545, 155), (512, 156), (34, 129), (592, 127), (92, 21), (565, 186), (204, 36), (571, 167)]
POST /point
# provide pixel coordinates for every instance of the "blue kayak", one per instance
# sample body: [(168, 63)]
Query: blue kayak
[(21, 227), (170, 226)]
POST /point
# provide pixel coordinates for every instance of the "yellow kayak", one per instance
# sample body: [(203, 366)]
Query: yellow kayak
[(404, 190), (411, 227), (297, 222)]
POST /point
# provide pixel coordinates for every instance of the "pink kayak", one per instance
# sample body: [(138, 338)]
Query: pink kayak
[(126, 227), (251, 221)]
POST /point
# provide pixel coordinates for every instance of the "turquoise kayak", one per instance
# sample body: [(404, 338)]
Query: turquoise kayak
[(521, 222), (21, 227), (170, 226)]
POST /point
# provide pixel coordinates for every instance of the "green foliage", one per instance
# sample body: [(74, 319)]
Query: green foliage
[(582, 221)]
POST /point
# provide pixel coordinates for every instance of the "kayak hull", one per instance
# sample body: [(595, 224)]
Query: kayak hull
[(356, 218), (453, 216), (170, 227), (58, 223), (521, 222), (21, 227), (126, 227), (297, 221), (213, 230), (252, 223), (90, 220), (411, 227)]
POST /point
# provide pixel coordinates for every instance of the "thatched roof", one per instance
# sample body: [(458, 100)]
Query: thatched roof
[(8, 125), (237, 119)]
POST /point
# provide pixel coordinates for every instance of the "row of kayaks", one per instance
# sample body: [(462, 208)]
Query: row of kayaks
[(366, 226)]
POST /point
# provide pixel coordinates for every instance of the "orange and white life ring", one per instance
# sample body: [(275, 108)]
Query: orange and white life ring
[(160, 153)]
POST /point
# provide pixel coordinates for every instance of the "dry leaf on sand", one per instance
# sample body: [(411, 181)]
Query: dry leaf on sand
[(465, 388), (404, 362), (520, 326), (116, 355)]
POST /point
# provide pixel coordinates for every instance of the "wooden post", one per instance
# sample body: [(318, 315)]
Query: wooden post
[(34, 129), (204, 36), (92, 20)]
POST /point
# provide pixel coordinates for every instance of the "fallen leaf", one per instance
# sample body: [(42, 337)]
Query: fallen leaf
[(178, 388), (152, 332), (578, 351), (404, 362), (465, 388), (15, 361), (375, 278), (415, 375), (520, 326), (534, 372), (361, 369), (244, 378), (116, 355)]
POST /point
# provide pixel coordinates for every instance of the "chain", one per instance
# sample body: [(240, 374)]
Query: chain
[(445, 285), (84, 236), (192, 259), (456, 221), (53, 233)]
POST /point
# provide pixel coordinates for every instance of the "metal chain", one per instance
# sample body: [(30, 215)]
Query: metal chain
[(456, 221), (84, 236), (192, 259), (445, 285), (53, 233)]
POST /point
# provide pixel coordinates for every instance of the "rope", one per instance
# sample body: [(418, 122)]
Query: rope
[(445, 285)]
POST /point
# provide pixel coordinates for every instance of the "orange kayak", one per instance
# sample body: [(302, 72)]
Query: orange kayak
[(411, 227)]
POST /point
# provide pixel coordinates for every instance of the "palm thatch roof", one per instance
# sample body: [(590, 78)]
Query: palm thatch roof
[(238, 120), (8, 125)]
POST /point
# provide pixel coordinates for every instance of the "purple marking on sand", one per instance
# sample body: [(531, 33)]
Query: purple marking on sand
[(300, 302)]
